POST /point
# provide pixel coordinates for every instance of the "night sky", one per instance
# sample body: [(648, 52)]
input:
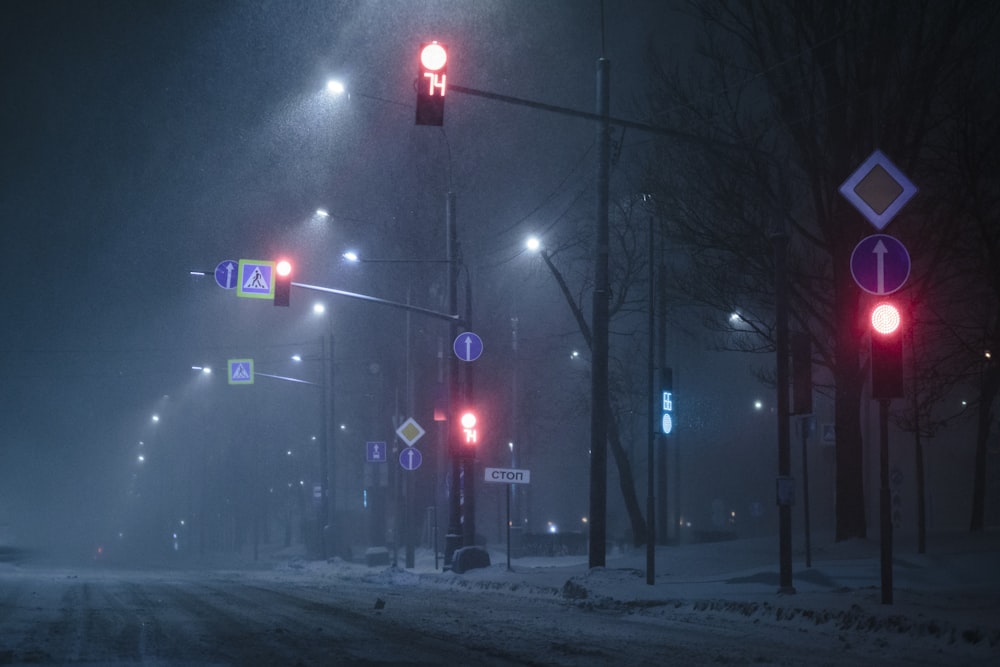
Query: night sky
[(145, 140)]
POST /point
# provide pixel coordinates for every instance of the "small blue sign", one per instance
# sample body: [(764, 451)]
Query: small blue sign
[(410, 458), (880, 264), (468, 346), (226, 273), (240, 371), (375, 451), (255, 280)]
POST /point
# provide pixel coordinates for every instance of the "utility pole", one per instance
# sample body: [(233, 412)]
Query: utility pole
[(453, 539), (784, 482), (599, 330)]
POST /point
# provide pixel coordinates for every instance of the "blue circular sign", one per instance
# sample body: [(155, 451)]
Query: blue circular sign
[(410, 458), (880, 264), (226, 273), (468, 346)]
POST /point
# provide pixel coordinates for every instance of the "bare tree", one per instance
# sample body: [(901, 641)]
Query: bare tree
[(789, 97)]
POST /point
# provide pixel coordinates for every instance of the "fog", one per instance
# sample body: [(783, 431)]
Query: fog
[(142, 143)]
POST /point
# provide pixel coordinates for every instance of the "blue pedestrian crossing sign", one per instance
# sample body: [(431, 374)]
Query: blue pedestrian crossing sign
[(376, 451), (240, 371), (255, 279)]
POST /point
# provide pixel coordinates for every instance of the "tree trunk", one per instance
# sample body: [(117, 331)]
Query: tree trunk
[(626, 482)]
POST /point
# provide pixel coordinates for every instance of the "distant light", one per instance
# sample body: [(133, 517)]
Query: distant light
[(583, 520), (553, 528), (510, 446), (319, 308), (197, 273), (289, 452), (574, 354), (533, 244), (735, 317), (206, 369), (322, 212), (296, 357), (334, 87), (351, 256), (988, 355), (141, 458), (156, 418), (758, 405), (343, 427)]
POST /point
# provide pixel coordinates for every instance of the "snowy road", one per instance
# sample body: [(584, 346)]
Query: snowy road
[(80, 616)]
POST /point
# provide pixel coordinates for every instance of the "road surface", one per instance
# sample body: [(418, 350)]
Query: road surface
[(162, 617)]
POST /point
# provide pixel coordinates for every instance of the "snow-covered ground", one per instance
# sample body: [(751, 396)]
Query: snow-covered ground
[(945, 601)]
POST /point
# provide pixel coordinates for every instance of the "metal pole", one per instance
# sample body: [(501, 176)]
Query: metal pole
[(453, 539), (650, 430), (805, 424), (885, 505), (784, 441), (324, 452), (469, 462), (599, 330), (508, 525)]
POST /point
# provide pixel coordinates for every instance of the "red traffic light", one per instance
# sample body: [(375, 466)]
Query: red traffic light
[(468, 421), (886, 352), (282, 282), (432, 77), (433, 57), (885, 318)]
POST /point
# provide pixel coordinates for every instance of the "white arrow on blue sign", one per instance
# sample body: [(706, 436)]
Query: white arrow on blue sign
[(410, 458), (226, 273), (468, 346), (880, 264), (375, 451)]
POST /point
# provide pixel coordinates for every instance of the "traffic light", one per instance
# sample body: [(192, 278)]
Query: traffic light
[(887, 352), (432, 76), (282, 282), (470, 435), (666, 411)]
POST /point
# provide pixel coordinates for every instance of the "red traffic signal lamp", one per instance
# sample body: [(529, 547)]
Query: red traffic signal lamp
[(887, 351), (470, 433), (282, 282), (432, 77)]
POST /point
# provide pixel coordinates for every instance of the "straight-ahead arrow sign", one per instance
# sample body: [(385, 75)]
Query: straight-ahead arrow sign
[(880, 264)]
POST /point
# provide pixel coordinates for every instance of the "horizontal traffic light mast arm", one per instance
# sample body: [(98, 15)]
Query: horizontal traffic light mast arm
[(566, 111), (385, 302)]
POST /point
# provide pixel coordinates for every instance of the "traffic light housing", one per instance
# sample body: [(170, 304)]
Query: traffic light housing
[(665, 414), (432, 76), (887, 352), (282, 282)]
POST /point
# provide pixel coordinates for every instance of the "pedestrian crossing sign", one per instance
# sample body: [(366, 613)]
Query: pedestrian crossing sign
[(240, 371), (255, 279)]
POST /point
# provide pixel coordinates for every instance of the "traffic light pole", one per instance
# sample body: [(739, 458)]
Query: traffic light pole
[(885, 505), (453, 539)]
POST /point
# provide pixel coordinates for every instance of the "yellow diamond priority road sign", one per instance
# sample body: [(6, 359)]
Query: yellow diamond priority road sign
[(410, 431)]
